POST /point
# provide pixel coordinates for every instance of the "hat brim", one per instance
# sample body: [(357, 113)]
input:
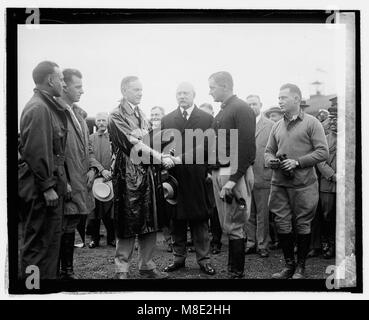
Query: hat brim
[(174, 184), (95, 193)]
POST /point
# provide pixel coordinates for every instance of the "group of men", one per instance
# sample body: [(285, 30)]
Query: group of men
[(252, 167)]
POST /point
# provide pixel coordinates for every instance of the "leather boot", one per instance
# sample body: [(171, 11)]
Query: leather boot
[(237, 262), (287, 244), (230, 260), (303, 243), (66, 256)]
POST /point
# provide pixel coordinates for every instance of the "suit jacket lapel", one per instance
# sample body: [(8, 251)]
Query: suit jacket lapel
[(179, 121), (193, 118), (259, 126)]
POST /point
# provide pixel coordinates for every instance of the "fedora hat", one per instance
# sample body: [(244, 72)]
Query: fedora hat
[(170, 189), (102, 190)]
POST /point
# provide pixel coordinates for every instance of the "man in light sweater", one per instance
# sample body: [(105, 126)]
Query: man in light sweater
[(296, 144)]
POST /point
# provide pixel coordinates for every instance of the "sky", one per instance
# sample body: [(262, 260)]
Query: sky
[(260, 57)]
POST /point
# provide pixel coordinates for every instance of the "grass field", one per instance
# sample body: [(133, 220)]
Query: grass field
[(98, 263)]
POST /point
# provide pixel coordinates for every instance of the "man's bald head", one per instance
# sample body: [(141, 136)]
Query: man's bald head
[(185, 95)]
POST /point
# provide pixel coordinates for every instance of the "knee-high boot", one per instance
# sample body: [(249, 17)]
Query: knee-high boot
[(236, 258), (66, 256), (303, 241), (287, 243)]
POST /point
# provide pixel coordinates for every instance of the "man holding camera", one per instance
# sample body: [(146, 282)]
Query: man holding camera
[(296, 144)]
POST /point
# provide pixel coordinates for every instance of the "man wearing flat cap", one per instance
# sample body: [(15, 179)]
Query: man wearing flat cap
[(274, 114)]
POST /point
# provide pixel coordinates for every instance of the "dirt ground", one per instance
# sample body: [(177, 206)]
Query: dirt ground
[(98, 263)]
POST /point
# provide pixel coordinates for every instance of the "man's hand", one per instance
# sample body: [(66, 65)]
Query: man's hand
[(334, 178), (288, 164), (51, 198), (227, 189), (176, 160), (106, 175), (274, 163), (68, 196), (167, 162), (90, 178)]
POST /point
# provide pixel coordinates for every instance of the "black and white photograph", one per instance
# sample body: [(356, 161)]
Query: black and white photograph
[(178, 150)]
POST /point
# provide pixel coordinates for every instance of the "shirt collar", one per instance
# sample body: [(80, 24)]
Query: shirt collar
[(258, 118), (189, 111), (300, 116), (226, 101)]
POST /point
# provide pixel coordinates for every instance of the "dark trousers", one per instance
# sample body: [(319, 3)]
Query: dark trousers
[(328, 209), (81, 227), (315, 242), (103, 211), (42, 231), (200, 237), (216, 229)]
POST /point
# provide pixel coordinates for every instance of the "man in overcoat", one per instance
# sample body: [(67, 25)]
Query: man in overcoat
[(134, 183), (42, 178), (258, 224), (193, 204), (81, 169), (327, 186), (100, 144)]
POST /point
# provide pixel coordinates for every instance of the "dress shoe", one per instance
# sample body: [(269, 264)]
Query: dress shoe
[(313, 253), (263, 253), (111, 243), (274, 246), (191, 249), (121, 275), (251, 250), (299, 272), (174, 266), (287, 272), (79, 245), (207, 268), (329, 254), (215, 250), (93, 244), (170, 247), (153, 274)]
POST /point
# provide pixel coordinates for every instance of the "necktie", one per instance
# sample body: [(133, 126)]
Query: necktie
[(137, 114), (185, 114)]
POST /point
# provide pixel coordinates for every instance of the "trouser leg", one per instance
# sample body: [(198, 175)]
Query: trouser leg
[(251, 225), (262, 217), (146, 247), (81, 228), (108, 222), (201, 240), (123, 253), (179, 236), (216, 229), (41, 239)]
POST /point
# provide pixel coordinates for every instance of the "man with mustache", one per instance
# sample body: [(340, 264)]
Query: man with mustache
[(193, 205), (101, 148)]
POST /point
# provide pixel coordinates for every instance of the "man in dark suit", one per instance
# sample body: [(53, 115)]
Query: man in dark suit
[(257, 227), (193, 205)]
